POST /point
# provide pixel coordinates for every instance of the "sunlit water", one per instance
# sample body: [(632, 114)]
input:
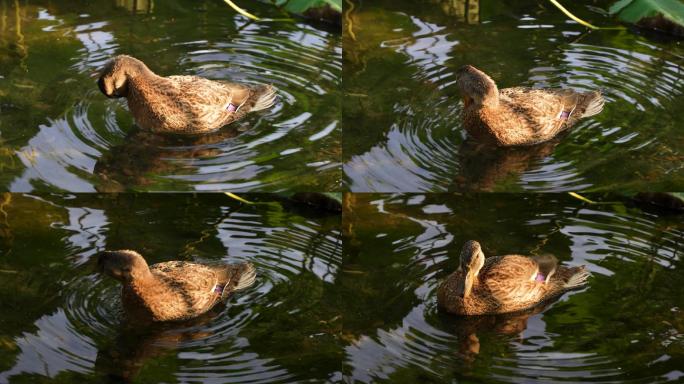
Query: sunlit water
[(402, 109), (64, 322), (57, 131), (317, 313), (625, 326)]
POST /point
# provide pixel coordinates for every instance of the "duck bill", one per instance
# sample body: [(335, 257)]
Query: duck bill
[(103, 89)]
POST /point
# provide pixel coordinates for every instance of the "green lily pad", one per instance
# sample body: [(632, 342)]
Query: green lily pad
[(666, 15), (300, 6)]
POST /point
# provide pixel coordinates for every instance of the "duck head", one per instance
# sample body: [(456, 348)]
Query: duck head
[(115, 76), (476, 87), (472, 260), (123, 265)]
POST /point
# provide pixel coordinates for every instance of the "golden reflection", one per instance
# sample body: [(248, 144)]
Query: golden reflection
[(136, 6), (464, 10)]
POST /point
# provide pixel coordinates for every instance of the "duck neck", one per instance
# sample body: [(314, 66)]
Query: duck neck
[(464, 285), (148, 98), (489, 96), (144, 83), (142, 282)]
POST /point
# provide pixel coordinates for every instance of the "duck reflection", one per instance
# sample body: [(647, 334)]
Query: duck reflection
[(144, 153), (133, 346), (483, 166), (467, 329)]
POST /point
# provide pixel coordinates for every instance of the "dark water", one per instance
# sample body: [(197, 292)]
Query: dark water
[(319, 314), (401, 106), (61, 321), (57, 132), (627, 325)]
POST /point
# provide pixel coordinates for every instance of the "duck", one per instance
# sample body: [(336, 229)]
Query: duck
[(180, 104), (172, 290), (519, 116), (505, 284)]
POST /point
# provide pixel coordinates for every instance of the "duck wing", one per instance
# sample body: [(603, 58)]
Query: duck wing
[(218, 103), (234, 277), (546, 112), (187, 289), (510, 281)]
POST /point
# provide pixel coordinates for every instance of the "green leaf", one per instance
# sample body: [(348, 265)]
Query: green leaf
[(300, 6), (634, 11)]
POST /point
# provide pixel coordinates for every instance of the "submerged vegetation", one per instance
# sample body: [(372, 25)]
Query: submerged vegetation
[(662, 15), (324, 10)]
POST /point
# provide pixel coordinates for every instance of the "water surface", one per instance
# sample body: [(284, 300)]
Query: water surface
[(62, 322), (627, 325), (401, 107), (324, 312), (58, 132)]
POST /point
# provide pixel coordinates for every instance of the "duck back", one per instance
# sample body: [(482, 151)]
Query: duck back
[(181, 290)]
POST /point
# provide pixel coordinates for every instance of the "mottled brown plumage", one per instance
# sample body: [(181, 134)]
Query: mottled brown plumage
[(180, 104), (503, 284), (174, 290), (519, 116)]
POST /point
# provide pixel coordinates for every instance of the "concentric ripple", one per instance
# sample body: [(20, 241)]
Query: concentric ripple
[(413, 116), (93, 144), (621, 328), (86, 334)]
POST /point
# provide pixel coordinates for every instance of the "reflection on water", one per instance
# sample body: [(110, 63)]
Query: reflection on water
[(626, 325), (402, 125), (484, 168), (73, 328), (143, 154), (56, 126), (316, 313)]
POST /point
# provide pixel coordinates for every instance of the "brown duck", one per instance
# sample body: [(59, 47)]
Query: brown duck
[(503, 284), (174, 290), (519, 116), (180, 104)]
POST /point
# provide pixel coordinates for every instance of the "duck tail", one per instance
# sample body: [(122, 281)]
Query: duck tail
[(247, 276), (578, 279), (593, 102), (266, 97)]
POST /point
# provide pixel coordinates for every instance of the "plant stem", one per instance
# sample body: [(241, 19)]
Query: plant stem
[(240, 10), (238, 198), (570, 15)]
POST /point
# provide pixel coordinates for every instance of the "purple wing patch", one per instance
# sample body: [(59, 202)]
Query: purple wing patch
[(218, 289), (540, 277), (231, 107), (564, 115)]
